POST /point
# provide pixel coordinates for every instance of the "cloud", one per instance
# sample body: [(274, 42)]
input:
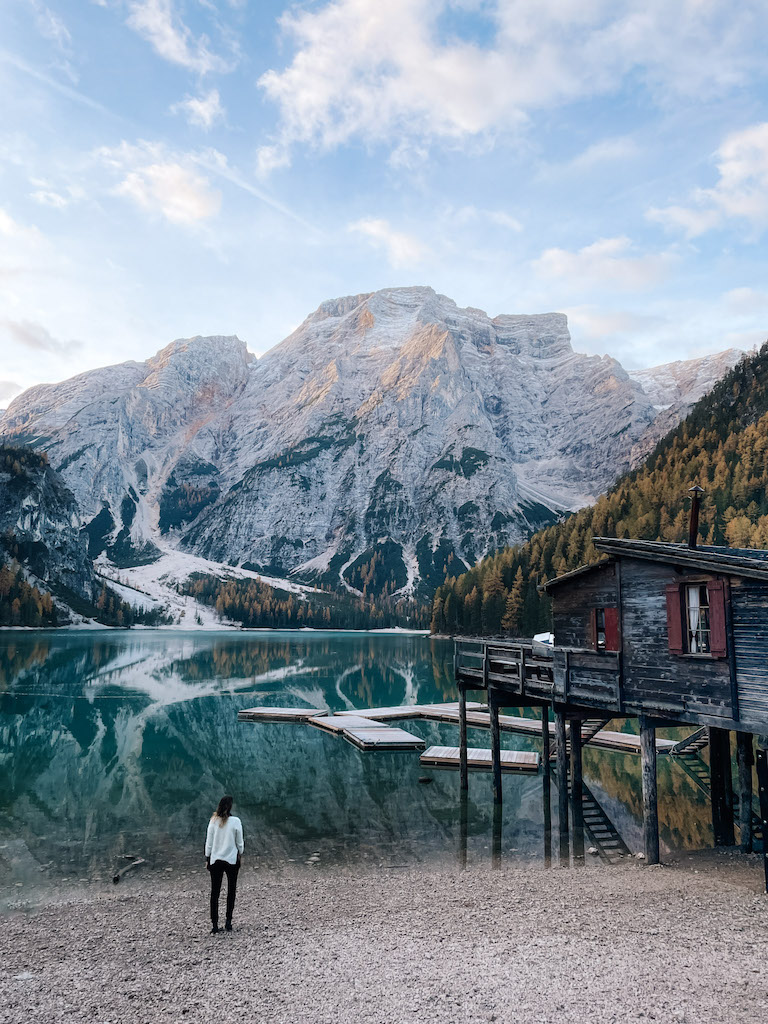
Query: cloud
[(386, 73), (203, 111), (158, 23), (741, 192), (162, 182), (402, 250), (746, 300), (597, 323), (608, 261), (473, 214), (51, 27), (35, 337), (8, 390), (620, 147)]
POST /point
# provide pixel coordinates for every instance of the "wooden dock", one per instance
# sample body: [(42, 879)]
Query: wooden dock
[(478, 717), (278, 714), (480, 760), (363, 733), (383, 738)]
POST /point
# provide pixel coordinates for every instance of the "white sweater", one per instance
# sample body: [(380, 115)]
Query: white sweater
[(225, 842)]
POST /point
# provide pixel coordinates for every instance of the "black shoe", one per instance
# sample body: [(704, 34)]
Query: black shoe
[(214, 929), (228, 926)]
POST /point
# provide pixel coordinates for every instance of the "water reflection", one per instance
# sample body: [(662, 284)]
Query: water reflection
[(120, 743)]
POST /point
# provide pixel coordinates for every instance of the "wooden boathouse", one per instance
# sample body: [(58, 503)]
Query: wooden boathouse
[(671, 634)]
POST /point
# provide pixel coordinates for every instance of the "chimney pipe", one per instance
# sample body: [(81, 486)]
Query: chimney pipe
[(693, 523)]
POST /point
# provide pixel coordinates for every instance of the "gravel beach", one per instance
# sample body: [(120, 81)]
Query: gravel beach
[(684, 942)]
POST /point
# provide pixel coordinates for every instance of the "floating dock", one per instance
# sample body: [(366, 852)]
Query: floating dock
[(365, 733), (278, 714), (480, 760), (479, 718)]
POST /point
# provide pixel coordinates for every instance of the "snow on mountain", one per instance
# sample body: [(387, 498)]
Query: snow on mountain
[(392, 437)]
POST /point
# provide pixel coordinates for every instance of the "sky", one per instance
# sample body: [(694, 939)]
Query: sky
[(179, 167)]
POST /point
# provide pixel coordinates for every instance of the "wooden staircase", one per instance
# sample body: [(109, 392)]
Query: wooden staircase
[(698, 770), (601, 830), (692, 744), (590, 727)]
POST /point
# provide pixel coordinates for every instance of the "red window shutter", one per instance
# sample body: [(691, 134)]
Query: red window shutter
[(674, 619), (717, 643), (612, 629)]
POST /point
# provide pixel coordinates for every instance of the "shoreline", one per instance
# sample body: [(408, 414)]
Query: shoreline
[(100, 628), (681, 942)]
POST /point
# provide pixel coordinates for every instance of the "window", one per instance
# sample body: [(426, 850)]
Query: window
[(605, 629), (696, 618), (600, 629)]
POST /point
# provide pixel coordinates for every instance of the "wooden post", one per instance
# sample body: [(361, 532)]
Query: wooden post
[(546, 786), (577, 793), (722, 786), (650, 804), (463, 828), (545, 747), (745, 759), (496, 845), (761, 764), (463, 769), (493, 707), (562, 785)]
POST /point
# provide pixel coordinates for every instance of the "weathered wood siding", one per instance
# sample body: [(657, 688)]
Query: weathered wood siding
[(750, 641), (573, 603), (655, 680)]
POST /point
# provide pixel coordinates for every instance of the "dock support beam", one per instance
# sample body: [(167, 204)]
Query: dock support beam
[(577, 792), (745, 759), (722, 786), (546, 786), (562, 785), (493, 708), (650, 801), (761, 763), (463, 769)]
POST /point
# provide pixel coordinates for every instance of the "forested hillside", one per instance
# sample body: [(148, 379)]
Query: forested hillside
[(257, 605), (722, 446)]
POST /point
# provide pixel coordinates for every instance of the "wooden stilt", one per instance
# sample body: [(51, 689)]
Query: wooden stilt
[(463, 829), (493, 707), (745, 759), (577, 793), (722, 786), (545, 748), (463, 770), (562, 785), (650, 803), (496, 847), (761, 764), (546, 786)]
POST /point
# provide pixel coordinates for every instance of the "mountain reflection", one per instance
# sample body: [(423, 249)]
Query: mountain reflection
[(122, 743)]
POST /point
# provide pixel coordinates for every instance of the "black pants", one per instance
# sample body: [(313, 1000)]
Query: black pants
[(217, 873)]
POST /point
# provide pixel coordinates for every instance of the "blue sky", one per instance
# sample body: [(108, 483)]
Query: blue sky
[(180, 167)]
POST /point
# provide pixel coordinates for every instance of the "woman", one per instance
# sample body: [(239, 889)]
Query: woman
[(223, 853)]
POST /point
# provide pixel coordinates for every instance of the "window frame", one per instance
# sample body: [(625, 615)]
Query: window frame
[(678, 617)]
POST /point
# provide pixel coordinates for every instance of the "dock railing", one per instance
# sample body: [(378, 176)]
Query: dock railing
[(581, 676), (517, 666)]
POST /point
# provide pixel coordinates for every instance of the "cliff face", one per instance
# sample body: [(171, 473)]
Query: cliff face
[(391, 436), (40, 524)]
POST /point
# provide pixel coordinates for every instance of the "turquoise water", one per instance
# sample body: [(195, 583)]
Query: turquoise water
[(117, 743)]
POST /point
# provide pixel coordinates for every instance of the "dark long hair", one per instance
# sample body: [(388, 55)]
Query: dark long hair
[(224, 810)]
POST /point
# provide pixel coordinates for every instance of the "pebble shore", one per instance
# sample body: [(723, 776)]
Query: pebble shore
[(681, 943)]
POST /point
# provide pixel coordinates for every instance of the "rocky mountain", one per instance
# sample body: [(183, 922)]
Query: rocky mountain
[(391, 436), (40, 525)]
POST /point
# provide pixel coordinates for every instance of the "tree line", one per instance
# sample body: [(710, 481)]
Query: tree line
[(722, 446), (257, 605)]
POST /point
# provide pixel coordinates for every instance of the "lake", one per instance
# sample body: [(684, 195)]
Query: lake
[(116, 743)]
